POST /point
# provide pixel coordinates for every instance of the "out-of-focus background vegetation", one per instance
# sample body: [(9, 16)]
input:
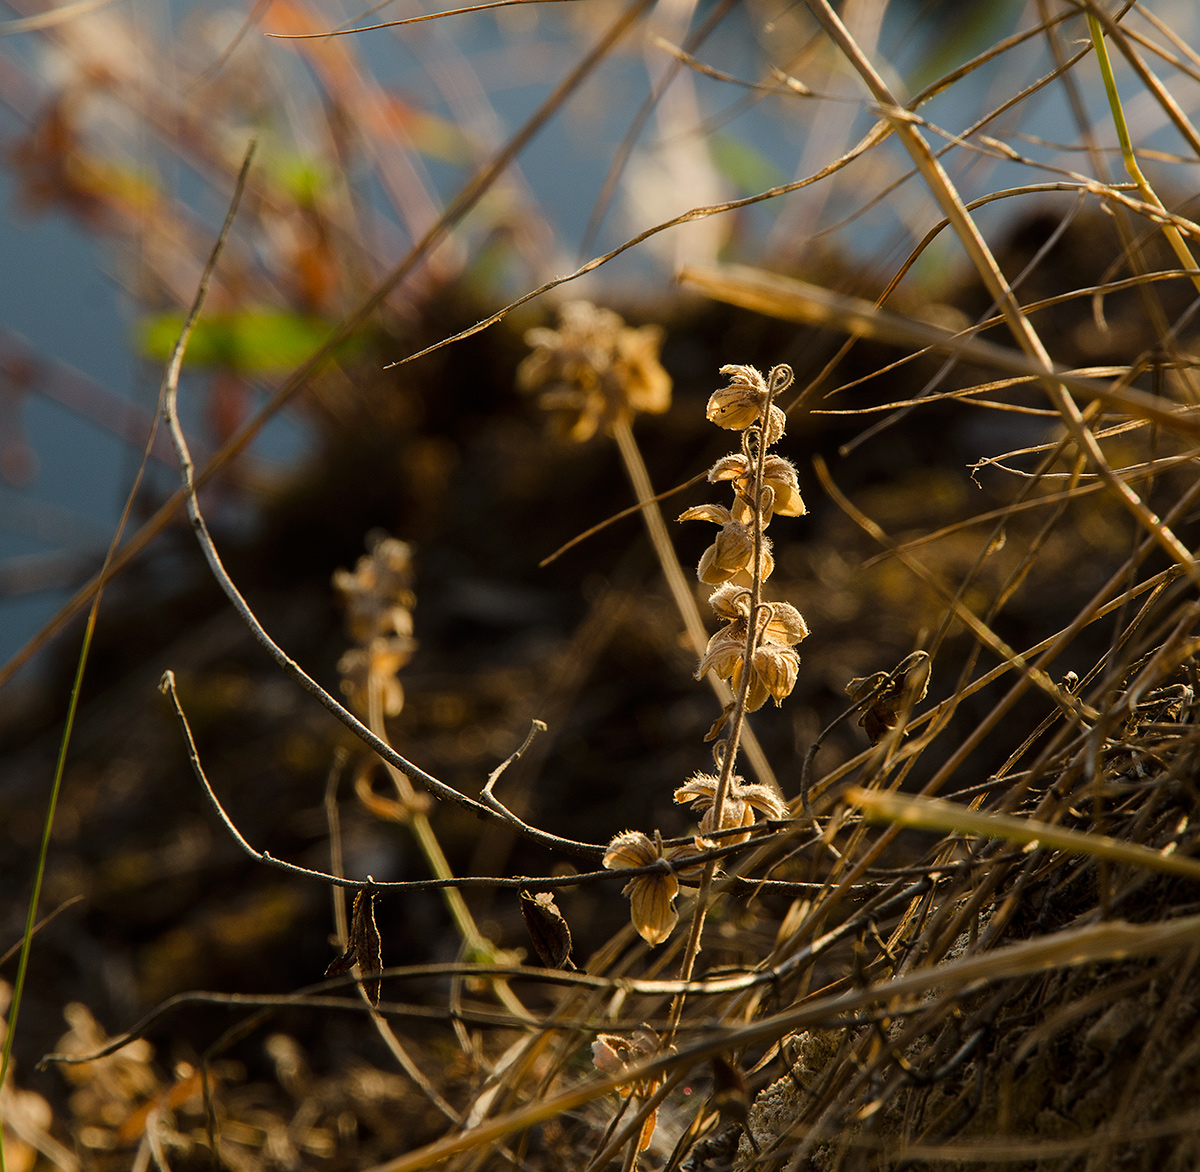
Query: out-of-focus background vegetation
[(375, 184)]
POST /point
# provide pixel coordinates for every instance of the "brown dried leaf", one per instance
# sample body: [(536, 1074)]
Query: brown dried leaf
[(719, 723), (907, 684), (647, 1132), (548, 929), (365, 949)]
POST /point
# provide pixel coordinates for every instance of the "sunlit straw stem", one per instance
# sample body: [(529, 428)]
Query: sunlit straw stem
[(1172, 233), (476, 944), (937, 814)]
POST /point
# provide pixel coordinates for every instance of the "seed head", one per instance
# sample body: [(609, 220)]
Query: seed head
[(378, 595), (741, 801), (651, 897), (594, 370), (779, 477), (740, 405)]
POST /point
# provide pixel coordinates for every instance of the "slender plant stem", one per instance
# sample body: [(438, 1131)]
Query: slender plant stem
[(381, 1024), (779, 379), (948, 198), (1174, 236), (438, 788), (476, 944), (681, 590), (43, 852)]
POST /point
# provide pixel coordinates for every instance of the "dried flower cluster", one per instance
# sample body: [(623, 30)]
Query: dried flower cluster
[(652, 896), (741, 801), (764, 485), (378, 599), (595, 370), (613, 1054), (728, 564)]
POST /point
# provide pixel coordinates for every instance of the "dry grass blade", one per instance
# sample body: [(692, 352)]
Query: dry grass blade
[(980, 629), (52, 17), (799, 301), (368, 28), (981, 256), (936, 814)]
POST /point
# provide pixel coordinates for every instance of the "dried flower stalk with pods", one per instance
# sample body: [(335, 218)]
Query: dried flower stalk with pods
[(754, 650), (761, 634), (763, 484), (378, 598)]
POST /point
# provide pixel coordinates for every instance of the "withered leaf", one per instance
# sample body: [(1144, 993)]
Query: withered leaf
[(548, 929), (646, 1137), (366, 949), (718, 724), (910, 677)]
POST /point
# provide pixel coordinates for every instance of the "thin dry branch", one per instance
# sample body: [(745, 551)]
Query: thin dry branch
[(812, 305), (989, 271), (879, 906)]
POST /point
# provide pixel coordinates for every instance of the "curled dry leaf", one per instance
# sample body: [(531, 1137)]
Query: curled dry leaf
[(384, 808), (548, 929), (908, 683), (365, 947)]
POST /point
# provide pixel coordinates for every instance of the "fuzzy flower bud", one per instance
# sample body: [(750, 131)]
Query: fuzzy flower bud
[(781, 488), (740, 405), (738, 808)]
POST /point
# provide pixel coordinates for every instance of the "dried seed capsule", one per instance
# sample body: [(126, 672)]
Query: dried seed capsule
[(651, 897), (777, 667), (738, 405)]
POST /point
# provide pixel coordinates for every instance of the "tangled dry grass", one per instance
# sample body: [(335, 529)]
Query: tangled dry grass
[(952, 919)]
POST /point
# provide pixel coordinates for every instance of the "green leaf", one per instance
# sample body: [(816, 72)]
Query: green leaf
[(739, 162), (253, 341)]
